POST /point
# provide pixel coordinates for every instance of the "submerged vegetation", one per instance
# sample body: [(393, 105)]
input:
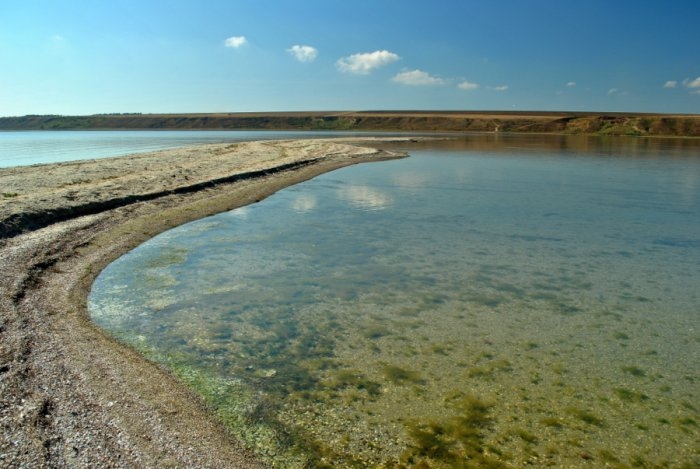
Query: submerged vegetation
[(535, 351), (286, 389), (457, 442), (401, 376)]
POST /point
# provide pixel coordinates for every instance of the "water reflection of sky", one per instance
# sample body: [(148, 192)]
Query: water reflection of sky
[(565, 285), (33, 147), (412, 179), (304, 203), (365, 197)]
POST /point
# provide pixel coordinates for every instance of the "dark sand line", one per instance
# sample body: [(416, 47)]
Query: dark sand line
[(71, 396)]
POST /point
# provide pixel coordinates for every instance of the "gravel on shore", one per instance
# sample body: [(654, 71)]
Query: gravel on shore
[(71, 396)]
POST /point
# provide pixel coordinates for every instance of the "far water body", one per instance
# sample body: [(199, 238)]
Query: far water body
[(489, 302), (23, 148)]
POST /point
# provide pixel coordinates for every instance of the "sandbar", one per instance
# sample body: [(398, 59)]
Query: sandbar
[(70, 395)]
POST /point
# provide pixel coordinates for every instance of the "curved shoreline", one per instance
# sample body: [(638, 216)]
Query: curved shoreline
[(69, 394)]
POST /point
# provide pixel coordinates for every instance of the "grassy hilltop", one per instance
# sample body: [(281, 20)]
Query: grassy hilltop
[(458, 121)]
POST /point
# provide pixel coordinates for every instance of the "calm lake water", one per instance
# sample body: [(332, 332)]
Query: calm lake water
[(487, 302), (36, 147)]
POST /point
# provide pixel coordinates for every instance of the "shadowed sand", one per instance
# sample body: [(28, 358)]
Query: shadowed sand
[(70, 396)]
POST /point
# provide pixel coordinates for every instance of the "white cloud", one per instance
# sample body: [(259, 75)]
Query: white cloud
[(417, 78), (303, 53), (364, 63), (692, 84), (499, 88), (467, 85), (571, 84), (695, 92), (235, 41), (612, 91), (670, 84), (57, 38)]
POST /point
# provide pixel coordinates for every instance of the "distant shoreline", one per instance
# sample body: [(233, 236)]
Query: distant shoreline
[(585, 123)]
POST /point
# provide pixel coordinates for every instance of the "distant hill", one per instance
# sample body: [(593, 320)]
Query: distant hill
[(416, 121)]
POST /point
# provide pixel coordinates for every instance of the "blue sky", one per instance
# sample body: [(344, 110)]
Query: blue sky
[(92, 56)]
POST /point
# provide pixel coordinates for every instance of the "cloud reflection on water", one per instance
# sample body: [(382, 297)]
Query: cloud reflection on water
[(304, 203), (412, 180), (240, 212), (365, 197)]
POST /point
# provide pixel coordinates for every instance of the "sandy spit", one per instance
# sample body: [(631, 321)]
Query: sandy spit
[(70, 396)]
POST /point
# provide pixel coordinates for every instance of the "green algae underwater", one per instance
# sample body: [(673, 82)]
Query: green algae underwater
[(491, 302)]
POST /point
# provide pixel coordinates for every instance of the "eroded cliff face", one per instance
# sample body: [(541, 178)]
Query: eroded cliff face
[(417, 121)]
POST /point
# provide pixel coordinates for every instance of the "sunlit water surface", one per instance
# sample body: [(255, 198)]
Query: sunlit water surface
[(493, 301)]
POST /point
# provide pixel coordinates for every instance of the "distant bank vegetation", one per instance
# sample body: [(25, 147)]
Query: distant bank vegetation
[(415, 121)]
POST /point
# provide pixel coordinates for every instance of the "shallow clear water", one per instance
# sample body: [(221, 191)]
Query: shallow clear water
[(35, 147), (491, 301)]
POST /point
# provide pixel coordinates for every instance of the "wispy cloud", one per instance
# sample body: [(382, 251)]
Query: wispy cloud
[(364, 63), (571, 84), (303, 53), (235, 42), (671, 84), (467, 85), (499, 88), (58, 38), (692, 83), (613, 91), (417, 78)]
